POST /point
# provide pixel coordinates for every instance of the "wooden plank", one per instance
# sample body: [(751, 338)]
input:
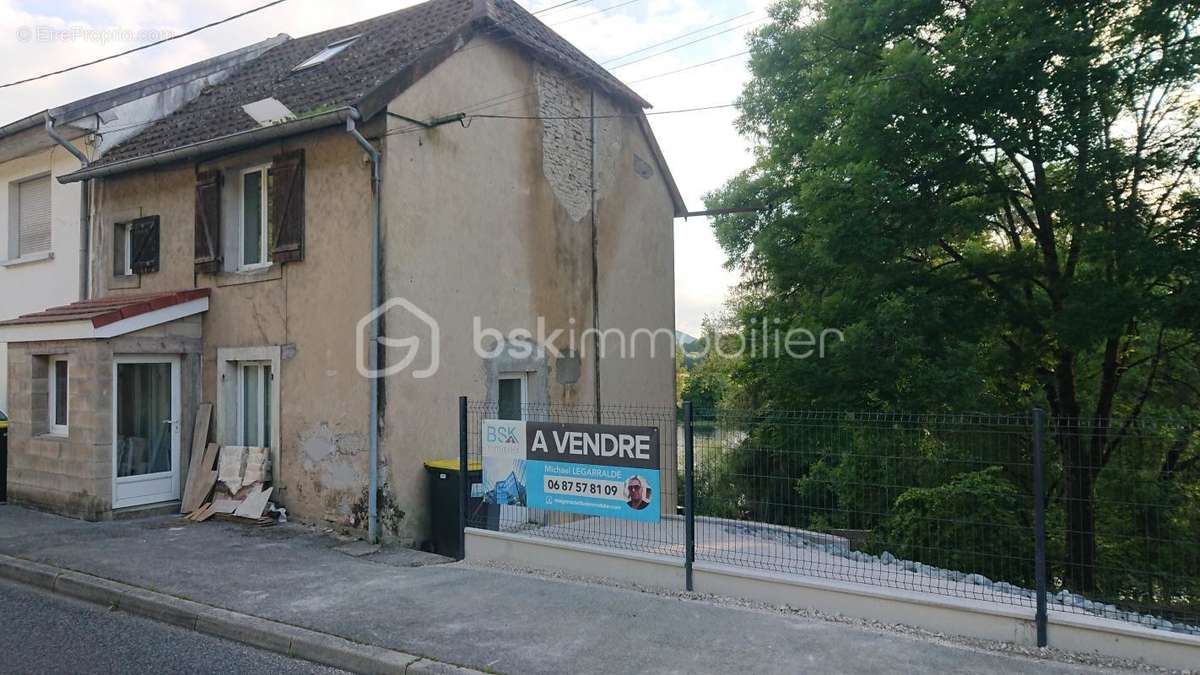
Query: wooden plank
[(200, 430), (195, 515), (225, 505), (201, 482), (196, 461), (207, 513), (254, 505)]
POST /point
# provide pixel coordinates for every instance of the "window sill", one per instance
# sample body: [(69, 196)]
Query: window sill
[(53, 436), (27, 259), (270, 272), (125, 282)]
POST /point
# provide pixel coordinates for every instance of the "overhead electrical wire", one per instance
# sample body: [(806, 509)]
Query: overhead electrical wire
[(517, 94), (145, 46), (219, 22), (600, 117)]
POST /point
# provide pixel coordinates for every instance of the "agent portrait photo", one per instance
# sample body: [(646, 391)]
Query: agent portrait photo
[(639, 493)]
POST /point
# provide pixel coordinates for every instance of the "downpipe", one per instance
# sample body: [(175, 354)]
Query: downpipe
[(85, 204), (376, 301)]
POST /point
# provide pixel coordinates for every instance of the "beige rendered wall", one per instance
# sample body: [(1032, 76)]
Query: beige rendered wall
[(308, 308), (494, 221)]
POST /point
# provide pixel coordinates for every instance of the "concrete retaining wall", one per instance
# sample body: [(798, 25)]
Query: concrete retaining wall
[(954, 616)]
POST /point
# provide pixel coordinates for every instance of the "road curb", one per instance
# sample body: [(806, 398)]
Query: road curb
[(294, 641)]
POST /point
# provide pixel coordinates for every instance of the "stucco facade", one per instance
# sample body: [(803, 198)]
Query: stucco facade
[(307, 310), (494, 221)]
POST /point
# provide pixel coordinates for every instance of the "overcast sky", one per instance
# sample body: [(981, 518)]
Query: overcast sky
[(702, 148)]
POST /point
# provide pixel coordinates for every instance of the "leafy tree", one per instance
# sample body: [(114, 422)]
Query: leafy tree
[(997, 203), (973, 522)]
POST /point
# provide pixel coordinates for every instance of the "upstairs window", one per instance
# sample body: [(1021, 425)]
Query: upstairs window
[(330, 50), (123, 249), (29, 214), (135, 247), (255, 234)]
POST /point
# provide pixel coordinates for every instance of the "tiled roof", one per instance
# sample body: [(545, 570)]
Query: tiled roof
[(105, 311), (387, 45)]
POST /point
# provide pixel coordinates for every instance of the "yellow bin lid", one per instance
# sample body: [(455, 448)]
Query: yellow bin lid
[(451, 465)]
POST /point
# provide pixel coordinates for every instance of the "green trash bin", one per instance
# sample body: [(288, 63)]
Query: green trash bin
[(444, 503)]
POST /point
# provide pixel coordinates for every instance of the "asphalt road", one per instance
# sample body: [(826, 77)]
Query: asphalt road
[(44, 633)]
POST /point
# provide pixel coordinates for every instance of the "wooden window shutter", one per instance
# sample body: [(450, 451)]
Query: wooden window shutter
[(208, 222), (287, 207), (143, 245)]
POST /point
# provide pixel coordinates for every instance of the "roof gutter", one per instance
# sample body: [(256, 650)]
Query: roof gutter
[(22, 124), (85, 211), (229, 142), (373, 342)]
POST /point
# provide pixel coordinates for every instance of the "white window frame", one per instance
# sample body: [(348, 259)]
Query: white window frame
[(125, 233), (54, 428), (523, 377), (264, 384), (14, 256), (230, 392), (264, 225)]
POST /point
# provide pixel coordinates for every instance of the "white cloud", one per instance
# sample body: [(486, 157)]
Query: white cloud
[(703, 148)]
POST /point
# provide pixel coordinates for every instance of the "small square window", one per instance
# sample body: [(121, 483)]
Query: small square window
[(59, 396), (512, 397)]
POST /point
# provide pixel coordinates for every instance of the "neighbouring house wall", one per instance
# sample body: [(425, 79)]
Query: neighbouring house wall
[(309, 309), (33, 286), (73, 474), (494, 221)]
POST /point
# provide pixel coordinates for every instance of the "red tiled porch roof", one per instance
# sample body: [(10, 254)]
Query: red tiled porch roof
[(105, 311)]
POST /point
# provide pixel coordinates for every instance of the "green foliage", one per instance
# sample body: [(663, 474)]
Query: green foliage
[(997, 205), (975, 522)]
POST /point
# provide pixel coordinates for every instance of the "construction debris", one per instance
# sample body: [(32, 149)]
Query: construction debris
[(236, 490)]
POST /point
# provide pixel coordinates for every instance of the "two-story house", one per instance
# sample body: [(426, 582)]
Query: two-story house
[(44, 224), (450, 166)]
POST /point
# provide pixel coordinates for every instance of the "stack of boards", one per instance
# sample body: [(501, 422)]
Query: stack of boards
[(199, 500)]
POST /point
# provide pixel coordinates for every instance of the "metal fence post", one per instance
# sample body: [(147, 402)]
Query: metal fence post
[(1039, 522), (464, 481), (689, 491)]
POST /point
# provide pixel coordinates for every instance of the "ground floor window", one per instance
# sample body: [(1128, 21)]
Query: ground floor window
[(59, 395), (249, 381), (256, 380), (513, 396)]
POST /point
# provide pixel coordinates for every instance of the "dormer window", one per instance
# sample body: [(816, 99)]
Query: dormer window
[(330, 50)]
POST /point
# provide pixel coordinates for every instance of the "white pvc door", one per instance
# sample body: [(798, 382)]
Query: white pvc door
[(146, 431)]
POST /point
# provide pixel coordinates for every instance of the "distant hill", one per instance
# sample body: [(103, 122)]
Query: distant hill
[(683, 339)]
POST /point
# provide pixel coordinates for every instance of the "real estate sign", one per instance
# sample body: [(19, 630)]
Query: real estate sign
[(593, 469)]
